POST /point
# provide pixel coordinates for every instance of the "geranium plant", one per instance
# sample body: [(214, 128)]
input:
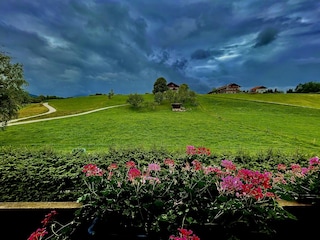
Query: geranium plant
[(157, 198), (301, 183)]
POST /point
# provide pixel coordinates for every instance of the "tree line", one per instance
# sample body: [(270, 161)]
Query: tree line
[(183, 95)]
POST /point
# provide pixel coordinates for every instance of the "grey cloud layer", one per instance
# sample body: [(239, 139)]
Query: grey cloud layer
[(83, 47)]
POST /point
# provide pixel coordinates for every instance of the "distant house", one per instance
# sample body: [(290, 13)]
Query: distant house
[(173, 86), (258, 89), (229, 88)]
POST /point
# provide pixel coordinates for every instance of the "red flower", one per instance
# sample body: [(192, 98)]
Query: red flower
[(48, 218), (130, 164), (134, 173), (92, 170), (169, 162), (112, 166), (38, 234), (197, 165)]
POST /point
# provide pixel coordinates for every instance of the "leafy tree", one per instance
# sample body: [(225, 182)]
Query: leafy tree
[(170, 95), (135, 100), (184, 95), (158, 97), (160, 85), (12, 94), (309, 87)]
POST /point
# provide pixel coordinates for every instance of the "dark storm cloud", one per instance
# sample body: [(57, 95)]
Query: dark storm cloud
[(200, 54), (82, 47), (266, 36)]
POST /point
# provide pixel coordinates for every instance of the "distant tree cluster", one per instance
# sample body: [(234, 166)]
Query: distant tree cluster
[(12, 94), (182, 95), (42, 98), (309, 87)]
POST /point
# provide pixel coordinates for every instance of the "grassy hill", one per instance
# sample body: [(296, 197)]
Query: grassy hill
[(250, 123)]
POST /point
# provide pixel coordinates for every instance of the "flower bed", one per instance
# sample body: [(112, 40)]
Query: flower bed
[(156, 199)]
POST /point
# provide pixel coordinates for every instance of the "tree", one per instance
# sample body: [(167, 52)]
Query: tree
[(158, 97), (12, 94), (184, 95), (160, 85), (135, 100), (309, 87)]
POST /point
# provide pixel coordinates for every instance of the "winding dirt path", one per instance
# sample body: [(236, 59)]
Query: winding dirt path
[(51, 110)]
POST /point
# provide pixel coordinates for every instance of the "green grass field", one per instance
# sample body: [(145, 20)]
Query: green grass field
[(249, 123)]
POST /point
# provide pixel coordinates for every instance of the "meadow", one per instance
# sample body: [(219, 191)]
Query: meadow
[(224, 123)]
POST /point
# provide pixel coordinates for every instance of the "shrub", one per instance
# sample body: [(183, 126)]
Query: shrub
[(135, 100)]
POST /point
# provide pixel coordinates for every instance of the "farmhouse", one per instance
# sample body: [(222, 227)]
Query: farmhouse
[(229, 88), (173, 86), (258, 89)]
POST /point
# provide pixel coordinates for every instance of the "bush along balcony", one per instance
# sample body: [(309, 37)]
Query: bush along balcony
[(299, 183), (169, 200)]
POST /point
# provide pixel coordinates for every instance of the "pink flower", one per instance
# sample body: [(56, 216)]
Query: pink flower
[(154, 167), (231, 184), (191, 150), (228, 165), (314, 161), (92, 170), (150, 179), (304, 170)]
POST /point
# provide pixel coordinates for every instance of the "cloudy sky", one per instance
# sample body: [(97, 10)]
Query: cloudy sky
[(82, 47)]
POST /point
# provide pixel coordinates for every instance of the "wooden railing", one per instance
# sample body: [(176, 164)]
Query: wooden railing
[(20, 219), (39, 205)]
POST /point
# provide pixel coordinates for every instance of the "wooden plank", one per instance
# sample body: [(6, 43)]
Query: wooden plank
[(39, 205), (74, 205), (285, 203)]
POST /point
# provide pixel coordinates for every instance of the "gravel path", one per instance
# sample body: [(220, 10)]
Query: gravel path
[(51, 110)]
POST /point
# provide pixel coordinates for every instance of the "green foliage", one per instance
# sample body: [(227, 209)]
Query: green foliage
[(160, 85), (159, 195), (184, 95), (12, 94), (135, 100), (300, 181), (309, 87), (50, 175), (158, 97)]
